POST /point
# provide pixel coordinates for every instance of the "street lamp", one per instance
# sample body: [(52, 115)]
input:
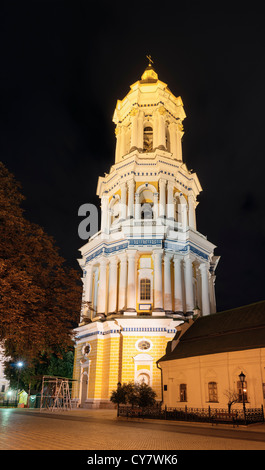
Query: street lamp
[(19, 365), (242, 380)]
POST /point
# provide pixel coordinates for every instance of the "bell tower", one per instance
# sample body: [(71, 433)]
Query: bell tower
[(149, 118), (148, 269)]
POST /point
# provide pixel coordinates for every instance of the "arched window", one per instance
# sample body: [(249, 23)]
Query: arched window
[(212, 390), (145, 289), (146, 211), (148, 139), (183, 392), (242, 391)]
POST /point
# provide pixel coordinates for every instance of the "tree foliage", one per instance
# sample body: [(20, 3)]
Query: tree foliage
[(39, 295), (136, 394)]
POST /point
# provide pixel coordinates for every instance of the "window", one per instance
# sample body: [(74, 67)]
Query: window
[(183, 392), (146, 211), (242, 391), (145, 289), (212, 390), (86, 349), (144, 345), (148, 139)]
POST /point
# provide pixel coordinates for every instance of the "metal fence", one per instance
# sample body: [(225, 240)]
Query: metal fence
[(8, 404), (206, 415)]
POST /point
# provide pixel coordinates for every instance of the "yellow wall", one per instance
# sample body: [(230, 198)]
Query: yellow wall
[(112, 361)]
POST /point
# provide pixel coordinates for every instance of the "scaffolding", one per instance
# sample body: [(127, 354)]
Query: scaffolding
[(55, 394)]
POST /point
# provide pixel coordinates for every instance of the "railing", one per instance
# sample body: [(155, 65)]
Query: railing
[(8, 404), (210, 415)]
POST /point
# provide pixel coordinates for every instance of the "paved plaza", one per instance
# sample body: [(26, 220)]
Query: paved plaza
[(25, 429)]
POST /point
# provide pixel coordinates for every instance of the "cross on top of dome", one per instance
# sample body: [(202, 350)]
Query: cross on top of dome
[(149, 74)]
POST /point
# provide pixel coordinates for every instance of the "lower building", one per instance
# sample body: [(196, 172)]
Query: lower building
[(121, 349), (203, 363)]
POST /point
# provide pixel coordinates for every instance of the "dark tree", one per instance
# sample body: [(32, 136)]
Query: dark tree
[(40, 296)]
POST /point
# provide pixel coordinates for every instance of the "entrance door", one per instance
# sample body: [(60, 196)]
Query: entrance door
[(84, 388)]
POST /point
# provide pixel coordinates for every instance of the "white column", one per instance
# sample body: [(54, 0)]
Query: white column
[(182, 209), (179, 134), (140, 130), (118, 144), (113, 285), (102, 288), (162, 197), (123, 201), (188, 272), (158, 291), (155, 130), (88, 283), (123, 142), (212, 293), (167, 282), (104, 213), (123, 282), (205, 289), (178, 300), (137, 214), (134, 129), (170, 201), (131, 198), (156, 206), (173, 139), (95, 291), (192, 216), (131, 291), (161, 131)]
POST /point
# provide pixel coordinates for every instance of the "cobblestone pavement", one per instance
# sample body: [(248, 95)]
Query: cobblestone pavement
[(101, 430)]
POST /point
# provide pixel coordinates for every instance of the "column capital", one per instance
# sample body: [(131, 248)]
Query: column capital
[(123, 257), (130, 182), (131, 254), (162, 181), (203, 267), (177, 258), (113, 261), (103, 261), (188, 258), (171, 184), (158, 253), (88, 267), (167, 257)]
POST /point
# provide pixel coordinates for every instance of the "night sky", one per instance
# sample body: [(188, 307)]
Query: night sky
[(63, 67)]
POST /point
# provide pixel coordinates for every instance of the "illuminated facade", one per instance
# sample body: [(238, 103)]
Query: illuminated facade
[(202, 364), (148, 269)]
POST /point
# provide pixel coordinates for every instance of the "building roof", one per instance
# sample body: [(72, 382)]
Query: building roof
[(232, 330)]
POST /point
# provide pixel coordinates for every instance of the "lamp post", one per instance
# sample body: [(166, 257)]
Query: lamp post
[(242, 380), (19, 365)]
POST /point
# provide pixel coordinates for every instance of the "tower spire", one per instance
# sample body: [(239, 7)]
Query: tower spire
[(150, 60), (149, 73)]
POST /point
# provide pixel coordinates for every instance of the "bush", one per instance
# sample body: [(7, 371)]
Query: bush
[(135, 394)]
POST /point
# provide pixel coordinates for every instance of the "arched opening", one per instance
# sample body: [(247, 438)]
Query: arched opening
[(148, 139), (146, 200), (167, 137), (84, 387), (143, 378), (146, 211)]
